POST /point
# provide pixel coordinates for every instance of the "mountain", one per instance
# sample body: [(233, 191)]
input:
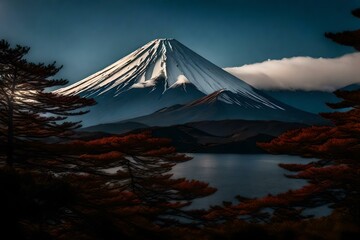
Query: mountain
[(163, 74), (351, 87)]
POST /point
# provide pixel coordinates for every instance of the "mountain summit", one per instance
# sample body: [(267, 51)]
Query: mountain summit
[(161, 74)]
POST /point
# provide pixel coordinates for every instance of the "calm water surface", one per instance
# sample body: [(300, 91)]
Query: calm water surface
[(249, 175)]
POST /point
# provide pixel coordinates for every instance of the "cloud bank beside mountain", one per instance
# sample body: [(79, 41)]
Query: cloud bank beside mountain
[(301, 73)]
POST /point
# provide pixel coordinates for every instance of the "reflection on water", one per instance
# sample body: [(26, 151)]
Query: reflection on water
[(249, 175)]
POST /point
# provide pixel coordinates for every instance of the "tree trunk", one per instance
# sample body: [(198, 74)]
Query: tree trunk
[(10, 137), (132, 181), (10, 130)]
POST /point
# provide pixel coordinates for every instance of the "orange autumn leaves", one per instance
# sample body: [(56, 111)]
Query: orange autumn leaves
[(316, 142)]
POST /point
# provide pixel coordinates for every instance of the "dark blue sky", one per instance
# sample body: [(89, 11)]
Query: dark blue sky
[(86, 36)]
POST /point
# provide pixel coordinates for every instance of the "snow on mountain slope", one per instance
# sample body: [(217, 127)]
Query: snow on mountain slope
[(160, 74), (166, 58)]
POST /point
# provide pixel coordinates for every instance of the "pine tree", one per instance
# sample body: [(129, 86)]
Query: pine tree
[(347, 38), (29, 112)]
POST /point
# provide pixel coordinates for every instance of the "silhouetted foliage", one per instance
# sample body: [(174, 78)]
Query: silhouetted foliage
[(347, 38), (29, 113)]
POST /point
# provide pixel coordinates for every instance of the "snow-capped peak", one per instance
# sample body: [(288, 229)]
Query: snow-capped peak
[(163, 59)]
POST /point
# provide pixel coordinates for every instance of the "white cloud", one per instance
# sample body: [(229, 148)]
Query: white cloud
[(301, 73)]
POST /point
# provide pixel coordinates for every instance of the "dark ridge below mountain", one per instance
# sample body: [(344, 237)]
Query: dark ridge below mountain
[(226, 136), (115, 128)]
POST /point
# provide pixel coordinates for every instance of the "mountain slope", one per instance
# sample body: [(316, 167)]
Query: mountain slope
[(160, 74), (223, 105)]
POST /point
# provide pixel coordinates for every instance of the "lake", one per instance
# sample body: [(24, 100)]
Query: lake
[(248, 175)]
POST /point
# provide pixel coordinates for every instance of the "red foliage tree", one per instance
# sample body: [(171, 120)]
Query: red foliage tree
[(123, 187), (142, 165)]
